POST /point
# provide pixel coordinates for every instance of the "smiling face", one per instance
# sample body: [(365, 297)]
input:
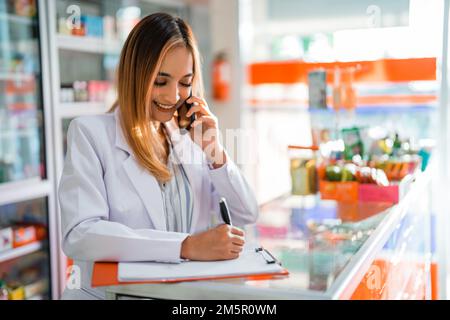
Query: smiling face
[(173, 83)]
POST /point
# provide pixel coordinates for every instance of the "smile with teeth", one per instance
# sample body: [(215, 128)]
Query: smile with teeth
[(164, 106)]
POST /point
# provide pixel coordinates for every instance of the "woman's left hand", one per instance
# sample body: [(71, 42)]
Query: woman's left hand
[(205, 131)]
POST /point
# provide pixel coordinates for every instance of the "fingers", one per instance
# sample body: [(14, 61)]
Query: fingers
[(198, 109), (198, 100), (237, 240), (234, 255), (237, 231), (236, 249), (235, 236), (232, 229)]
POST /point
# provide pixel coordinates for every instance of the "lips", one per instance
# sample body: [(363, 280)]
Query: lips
[(164, 108)]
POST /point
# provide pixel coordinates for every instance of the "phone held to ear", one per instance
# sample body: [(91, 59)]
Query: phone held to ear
[(185, 122)]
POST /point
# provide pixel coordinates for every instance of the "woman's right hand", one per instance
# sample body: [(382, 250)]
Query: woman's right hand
[(223, 242)]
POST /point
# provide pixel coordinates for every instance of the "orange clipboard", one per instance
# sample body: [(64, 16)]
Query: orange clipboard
[(106, 274)]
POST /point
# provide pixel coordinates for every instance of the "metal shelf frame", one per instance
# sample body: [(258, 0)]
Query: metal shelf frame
[(21, 251), (34, 188), (87, 44), (75, 109)]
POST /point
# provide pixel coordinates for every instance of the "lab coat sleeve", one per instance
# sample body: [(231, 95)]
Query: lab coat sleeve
[(87, 233), (228, 182)]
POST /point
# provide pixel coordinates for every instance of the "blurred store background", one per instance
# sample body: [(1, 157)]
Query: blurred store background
[(317, 92)]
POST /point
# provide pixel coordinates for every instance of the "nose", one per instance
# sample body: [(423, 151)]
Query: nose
[(171, 96)]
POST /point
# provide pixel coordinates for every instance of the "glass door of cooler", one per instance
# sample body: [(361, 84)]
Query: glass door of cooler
[(21, 109), (24, 251), (25, 189)]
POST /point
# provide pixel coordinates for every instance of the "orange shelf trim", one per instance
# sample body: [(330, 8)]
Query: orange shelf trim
[(390, 70)]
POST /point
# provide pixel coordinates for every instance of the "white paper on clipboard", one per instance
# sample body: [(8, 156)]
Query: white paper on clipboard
[(250, 262)]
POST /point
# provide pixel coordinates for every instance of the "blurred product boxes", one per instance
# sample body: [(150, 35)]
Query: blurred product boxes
[(86, 26), (36, 288), (93, 26), (348, 182), (317, 89), (16, 291), (20, 234), (356, 168), (90, 26), (85, 91), (25, 8), (6, 238), (26, 234), (303, 169), (28, 287), (340, 191)]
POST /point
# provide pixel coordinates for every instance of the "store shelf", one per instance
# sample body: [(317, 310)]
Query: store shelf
[(16, 76), (21, 251), (76, 109), (37, 297), (360, 109), (87, 44), (384, 70), (28, 189), (17, 19)]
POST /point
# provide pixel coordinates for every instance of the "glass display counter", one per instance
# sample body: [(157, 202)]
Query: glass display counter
[(332, 250)]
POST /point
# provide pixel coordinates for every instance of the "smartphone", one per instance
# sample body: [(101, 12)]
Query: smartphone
[(185, 122)]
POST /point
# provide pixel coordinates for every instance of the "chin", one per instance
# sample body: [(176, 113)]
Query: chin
[(163, 117)]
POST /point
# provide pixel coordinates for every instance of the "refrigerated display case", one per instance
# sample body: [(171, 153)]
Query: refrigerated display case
[(21, 121), (394, 87), (372, 250), (28, 225)]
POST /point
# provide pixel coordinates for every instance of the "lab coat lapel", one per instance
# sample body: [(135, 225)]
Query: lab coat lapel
[(194, 174), (145, 184), (191, 158)]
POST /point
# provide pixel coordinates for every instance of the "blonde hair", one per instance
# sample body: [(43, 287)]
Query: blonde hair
[(140, 61)]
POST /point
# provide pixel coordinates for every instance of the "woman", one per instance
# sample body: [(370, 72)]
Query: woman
[(134, 187)]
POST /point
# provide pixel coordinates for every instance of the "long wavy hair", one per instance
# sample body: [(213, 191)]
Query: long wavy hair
[(140, 60)]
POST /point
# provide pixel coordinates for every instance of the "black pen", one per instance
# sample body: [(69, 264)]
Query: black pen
[(224, 211)]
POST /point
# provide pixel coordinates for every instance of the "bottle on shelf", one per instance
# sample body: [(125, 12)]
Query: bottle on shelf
[(3, 290), (16, 291), (63, 27), (109, 24)]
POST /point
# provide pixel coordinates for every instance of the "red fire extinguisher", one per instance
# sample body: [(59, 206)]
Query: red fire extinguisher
[(221, 77)]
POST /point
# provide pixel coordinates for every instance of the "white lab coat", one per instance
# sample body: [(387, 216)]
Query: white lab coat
[(112, 209)]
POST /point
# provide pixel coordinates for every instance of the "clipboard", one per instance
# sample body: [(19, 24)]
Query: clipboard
[(107, 273)]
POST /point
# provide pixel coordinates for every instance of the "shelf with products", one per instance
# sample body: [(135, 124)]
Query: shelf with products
[(383, 70), (88, 44), (16, 76), (290, 106), (21, 251), (75, 109), (21, 137), (366, 97), (24, 248), (29, 189), (25, 278), (17, 19)]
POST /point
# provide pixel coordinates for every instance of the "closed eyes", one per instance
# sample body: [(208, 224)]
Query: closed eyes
[(160, 84)]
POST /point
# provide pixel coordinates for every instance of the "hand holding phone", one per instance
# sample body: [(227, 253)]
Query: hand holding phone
[(185, 122)]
